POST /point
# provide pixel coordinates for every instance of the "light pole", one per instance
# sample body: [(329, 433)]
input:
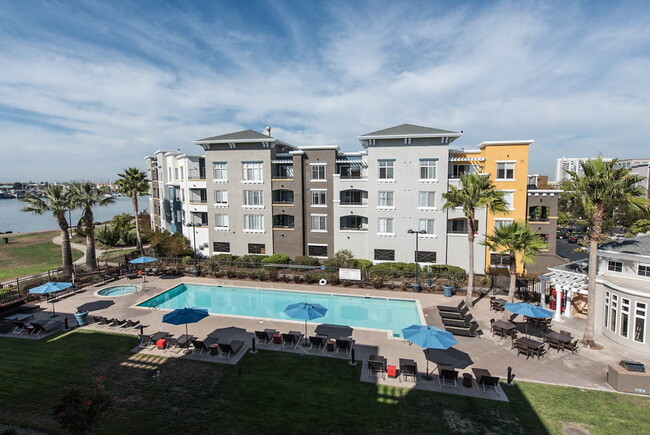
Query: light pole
[(417, 287)]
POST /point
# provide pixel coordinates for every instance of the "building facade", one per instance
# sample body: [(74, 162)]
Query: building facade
[(564, 164)]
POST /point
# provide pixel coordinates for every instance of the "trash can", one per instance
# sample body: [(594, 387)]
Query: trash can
[(448, 291), (467, 380), (81, 317)]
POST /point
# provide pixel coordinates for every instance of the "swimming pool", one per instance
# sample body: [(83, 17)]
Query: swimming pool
[(354, 311), (117, 290)]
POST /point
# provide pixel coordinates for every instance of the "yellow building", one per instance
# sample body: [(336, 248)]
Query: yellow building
[(506, 162)]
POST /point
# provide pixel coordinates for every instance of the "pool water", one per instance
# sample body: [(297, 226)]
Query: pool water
[(117, 290), (354, 311)]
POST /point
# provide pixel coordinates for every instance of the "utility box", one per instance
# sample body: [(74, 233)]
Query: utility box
[(629, 377)]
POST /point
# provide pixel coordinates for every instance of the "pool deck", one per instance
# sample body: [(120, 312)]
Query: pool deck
[(585, 369)]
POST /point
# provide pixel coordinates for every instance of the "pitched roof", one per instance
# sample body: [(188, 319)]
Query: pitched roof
[(245, 135), (409, 130), (639, 245)]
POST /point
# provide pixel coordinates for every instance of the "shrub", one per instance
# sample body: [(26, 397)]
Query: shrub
[(343, 258), (347, 283), (273, 275), (363, 264), (277, 259), (224, 259), (333, 279), (310, 279), (231, 273), (306, 261), (250, 260), (297, 278), (377, 281), (80, 409)]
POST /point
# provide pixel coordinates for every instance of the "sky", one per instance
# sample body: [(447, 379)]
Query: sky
[(90, 88)]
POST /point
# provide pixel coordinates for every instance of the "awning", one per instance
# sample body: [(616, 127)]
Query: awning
[(467, 159), (361, 163), (283, 161)]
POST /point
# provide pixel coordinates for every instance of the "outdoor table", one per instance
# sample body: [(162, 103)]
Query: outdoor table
[(158, 335), (20, 317), (559, 337), (507, 327), (530, 342)]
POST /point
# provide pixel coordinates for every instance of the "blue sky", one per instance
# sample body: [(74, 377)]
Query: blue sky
[(89, 88)]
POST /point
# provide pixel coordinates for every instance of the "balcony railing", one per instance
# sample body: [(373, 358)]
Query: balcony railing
[(283, 202), (353, 177), (537, 219), (283, 227), (345, 228)]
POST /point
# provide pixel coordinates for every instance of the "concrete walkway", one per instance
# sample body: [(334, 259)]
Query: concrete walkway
[(79, 247)]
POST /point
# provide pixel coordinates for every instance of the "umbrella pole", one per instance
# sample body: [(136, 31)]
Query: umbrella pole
[(306, 339), (53, 310), (427, 376)]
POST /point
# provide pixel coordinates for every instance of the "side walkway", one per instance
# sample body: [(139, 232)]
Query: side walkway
[(79, 247)]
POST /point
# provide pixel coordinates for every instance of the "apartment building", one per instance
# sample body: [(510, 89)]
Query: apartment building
[(264, 196), (564, 164)]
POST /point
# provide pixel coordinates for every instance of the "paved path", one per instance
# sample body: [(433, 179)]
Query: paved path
[(79, 247)]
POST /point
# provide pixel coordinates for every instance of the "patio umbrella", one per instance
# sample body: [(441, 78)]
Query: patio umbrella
[(50, 287), (305, 311), (183, 316), (528, 310), (143, 260), (428, 337), (450, 357)]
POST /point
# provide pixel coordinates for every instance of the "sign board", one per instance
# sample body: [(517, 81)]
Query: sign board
[(350, 274)]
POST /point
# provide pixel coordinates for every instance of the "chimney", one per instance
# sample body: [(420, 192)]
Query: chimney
[(268, 131)]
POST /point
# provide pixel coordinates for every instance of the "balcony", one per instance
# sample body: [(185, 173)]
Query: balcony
[(353, 197), (283, 222), (282, 171), (282, 197), (353, 223)]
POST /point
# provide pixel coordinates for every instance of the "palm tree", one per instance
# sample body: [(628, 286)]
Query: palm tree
[(603, 186), (477, 191), (55, 199), (134, 182), (86, 195), (516, 239)]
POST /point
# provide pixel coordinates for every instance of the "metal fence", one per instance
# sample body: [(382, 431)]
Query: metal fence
[(17, 290)]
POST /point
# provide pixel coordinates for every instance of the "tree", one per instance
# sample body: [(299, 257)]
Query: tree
[(170, 245), (476, 191), (134, 182), (86, 195), (343, 258), (513, 240), (640, 226), (603, 186), (55, 200)]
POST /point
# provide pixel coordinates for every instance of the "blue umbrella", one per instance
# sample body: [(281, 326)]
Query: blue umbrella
[(305, 311), (141, 260), (528, 310), (429, 337), (183, 316), (50, 287)]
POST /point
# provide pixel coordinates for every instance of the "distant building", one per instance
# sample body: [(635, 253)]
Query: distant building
[(542, 214), (564, 164)]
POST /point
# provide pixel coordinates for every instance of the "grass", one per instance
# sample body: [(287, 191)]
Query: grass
[(115, 255), (275, 392), (30, 253)]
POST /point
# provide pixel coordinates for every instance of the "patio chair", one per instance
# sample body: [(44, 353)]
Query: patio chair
[(318, 341), (145, 340), (377, 366), (456, 308), (572, 346), (171, 343), (513, 340), (200, 347), (229, 350), (20, 327), (555, 344), (263, 337), (522, 348), (345, 345), (452, 315), (116, 323), (448, 376), (408, 368), (465, 332), (461, 323), (131, 324), (41, 329), (292, 339)]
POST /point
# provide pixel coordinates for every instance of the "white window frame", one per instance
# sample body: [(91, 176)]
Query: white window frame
[(321, 220), (221, 221), (611, 266), (388, 166), (424, 222), (223, 201), (316, 197), (252, 172), (511, 194), (318, 166), (386, 199), (253, 199), (253, 223), (642, 314), (608, 297), (613, 315), (386, 225), (625, 311), (508, 165), (219, 171), (502, 222), (430, 167), (647, 270), (423, 197)]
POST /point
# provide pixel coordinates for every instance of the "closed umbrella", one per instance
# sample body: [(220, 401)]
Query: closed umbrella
[(428, 337), (183, 316), (528, 310), (50, 287), (305, 311), (143, 260)]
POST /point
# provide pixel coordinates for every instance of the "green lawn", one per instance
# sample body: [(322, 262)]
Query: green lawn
[(274, 392), (30, 253)]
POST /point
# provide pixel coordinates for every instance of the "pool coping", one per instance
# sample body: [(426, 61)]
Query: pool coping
[(136, 286), (389, 333)]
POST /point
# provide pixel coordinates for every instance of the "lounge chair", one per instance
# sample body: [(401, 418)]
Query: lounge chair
[(448, 376), (344, 344), (470, 331), (454, 314), (131, 324), (263, 337), (145, 340), (572, 346), (104, 321), (171, 343), (377, 366), (200, 347), (456, 308), (408, 368), (466, 322), (20, 327), (116, 322), (292, 339), (319, 340), (484, 379), (231, 349), (41, 329)]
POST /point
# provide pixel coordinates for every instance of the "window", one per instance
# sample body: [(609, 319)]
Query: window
[(426, 257), (426, 199), (319, 197), (251, 171), (427, 225), (509, 198), (506, 171), (625, 317), (181, 169), (499, 260), (458, 170), (384, 254), (221, 197), (253, 222), (256, 248), (639, 322), (643, 270), (459, 226), (317, 250), (220, 171), (428, 169), (354, 223), (353, 197), (221, 221), (500, 223), (318, 172), (385, 199), (615, 266), (253, 198), (176, 173), (386, 169), (199, 217), (612, 316), (283, 221), (221, 246), (319, 222), (607, 308), (385, 225), (170, 174), (283, 196)]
